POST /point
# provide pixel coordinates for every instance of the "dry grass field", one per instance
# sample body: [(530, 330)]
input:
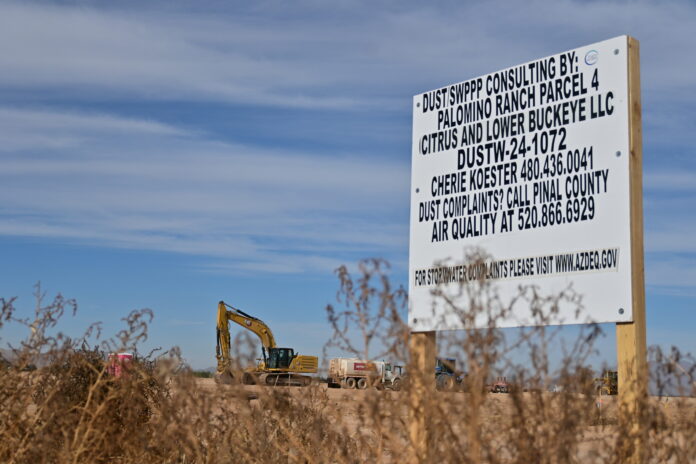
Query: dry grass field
[(71, 410), (595, 441)]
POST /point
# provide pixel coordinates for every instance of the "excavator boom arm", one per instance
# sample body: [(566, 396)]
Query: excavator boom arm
[(251, 323)]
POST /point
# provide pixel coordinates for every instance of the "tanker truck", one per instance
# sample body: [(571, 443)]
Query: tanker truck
[(361, 373)]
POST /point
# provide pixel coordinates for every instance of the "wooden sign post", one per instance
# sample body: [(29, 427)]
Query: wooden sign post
[(422, 350), (630, 336)]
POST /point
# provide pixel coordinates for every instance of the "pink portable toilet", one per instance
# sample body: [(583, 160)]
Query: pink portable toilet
[(118, 364)]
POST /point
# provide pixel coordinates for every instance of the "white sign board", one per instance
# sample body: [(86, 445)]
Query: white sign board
[(531, 164)]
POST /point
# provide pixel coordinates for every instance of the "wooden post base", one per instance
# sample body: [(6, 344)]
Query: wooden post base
[(421, 372)]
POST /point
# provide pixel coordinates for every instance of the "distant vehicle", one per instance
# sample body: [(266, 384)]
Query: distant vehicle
[(555, 388), (608, 383), (500, 385), (446, 376), (362, 373)]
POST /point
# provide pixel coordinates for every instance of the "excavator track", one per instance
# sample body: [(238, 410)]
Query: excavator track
[(284, 380)]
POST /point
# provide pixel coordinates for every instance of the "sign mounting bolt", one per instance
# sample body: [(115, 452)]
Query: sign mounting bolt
[(621, 311), (618, 153)]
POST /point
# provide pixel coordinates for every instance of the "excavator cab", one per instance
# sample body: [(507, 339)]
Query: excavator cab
[(280, 358)]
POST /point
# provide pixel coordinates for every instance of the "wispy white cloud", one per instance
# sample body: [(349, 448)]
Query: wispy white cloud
[(682, 181), (669, 211), (27, 129), (320, 55), (678, 240), (180, 57), (173, 190), (672, 272)]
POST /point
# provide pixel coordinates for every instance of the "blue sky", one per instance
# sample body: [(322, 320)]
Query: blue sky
[(173, 154)]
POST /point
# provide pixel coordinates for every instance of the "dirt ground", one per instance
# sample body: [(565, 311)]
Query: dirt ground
[(345, 403)]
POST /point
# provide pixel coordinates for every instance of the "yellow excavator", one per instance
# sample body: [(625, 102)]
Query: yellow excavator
[(279, 366), (608, 383)]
